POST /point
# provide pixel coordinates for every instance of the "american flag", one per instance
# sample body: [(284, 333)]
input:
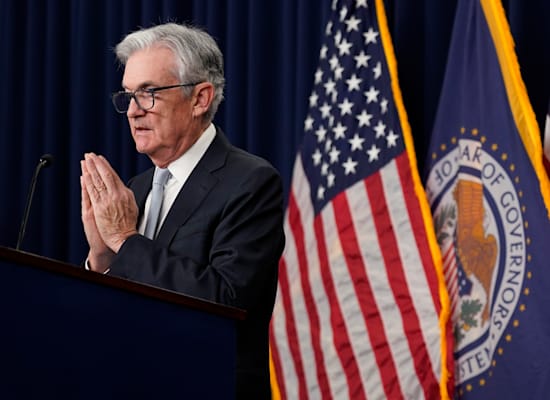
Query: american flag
[(361, 310)]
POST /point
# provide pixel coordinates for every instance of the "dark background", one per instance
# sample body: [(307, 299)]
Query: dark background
[(58, 71)]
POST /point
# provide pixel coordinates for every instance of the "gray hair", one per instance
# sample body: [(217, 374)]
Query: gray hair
[(198, 57)]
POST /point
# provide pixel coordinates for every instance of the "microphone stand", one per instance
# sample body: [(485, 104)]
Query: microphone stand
[(45, 161)]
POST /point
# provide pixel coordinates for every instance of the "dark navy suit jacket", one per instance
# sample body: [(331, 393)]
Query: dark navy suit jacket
[(221, 241)]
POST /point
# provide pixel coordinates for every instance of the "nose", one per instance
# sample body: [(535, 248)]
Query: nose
[(133, 109)]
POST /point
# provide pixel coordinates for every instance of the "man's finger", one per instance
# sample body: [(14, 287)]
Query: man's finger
[(107, 175), (94, 173)]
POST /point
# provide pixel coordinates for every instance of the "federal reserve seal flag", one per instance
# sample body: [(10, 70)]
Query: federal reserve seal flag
[(489, 197)]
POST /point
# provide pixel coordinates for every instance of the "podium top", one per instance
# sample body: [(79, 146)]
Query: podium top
[(62, 268)]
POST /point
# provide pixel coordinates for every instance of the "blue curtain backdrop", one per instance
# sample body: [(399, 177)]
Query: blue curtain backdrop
[(58, 70)]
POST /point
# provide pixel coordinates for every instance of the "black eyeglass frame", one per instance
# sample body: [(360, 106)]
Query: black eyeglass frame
[(152, 91)]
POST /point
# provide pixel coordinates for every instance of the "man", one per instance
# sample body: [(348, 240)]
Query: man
[(220, 234)]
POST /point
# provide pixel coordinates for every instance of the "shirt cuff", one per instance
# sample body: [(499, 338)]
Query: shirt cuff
[(87, 266)]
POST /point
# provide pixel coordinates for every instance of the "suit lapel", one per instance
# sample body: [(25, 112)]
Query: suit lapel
[(198, 185)]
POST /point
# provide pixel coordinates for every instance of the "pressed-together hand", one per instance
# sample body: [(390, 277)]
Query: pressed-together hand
[(109, 210)]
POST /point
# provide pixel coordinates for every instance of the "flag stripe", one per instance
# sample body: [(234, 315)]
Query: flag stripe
[(364, 293), (380, 281), (353, 319), (340, 333), (293, 342), (420, 235), (408, 282), (314, 326), (278, 384)]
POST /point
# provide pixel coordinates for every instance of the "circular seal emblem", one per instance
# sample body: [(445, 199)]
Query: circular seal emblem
[(480, 230)]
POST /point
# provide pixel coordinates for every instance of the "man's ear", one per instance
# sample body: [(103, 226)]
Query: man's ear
[(202, 98)]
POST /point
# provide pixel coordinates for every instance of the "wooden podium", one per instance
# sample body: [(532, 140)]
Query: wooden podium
[(68, 333)]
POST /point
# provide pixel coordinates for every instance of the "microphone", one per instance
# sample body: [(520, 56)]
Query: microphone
[(45, 161)]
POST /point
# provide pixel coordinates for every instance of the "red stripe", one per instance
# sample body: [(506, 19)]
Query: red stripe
[(375, 329), (295, 220), (291, 333), (273, 339), (429, 268), (398, 283), (340, 334), (418, 226), (449, 268)]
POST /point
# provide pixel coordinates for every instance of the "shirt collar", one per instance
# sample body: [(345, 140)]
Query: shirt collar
[(183, 166)]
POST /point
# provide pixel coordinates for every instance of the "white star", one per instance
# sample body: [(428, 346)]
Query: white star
[(331, 178), (333, 155), (329, 86), (360, 3), (328, 145), (352, 23), (356, 142), (321, 134), (318, 76), (317, 157), (345, 107), (324, 169), (313, 99), (373, 153), (377, 70), (364, 118), (323, 52), (328, 29), (392, 139), (338, 71), (370, 36), (349, 166), (344, 47), (337, 38), (333, 62), (308, 123), (325, 110), (384, 106), (362, 60), (371, 95), (343, 13), (379, 129), (339, 131), (320, 193), (353, 83)]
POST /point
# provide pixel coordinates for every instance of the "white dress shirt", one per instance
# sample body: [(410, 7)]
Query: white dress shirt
[(180, 170)]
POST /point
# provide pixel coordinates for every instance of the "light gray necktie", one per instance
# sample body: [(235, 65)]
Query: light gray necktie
[(160, 178)]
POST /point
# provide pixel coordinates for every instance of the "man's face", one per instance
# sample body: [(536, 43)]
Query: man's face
[(168, 129)]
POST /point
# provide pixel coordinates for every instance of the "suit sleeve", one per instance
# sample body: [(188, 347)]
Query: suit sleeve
[(231, 258)]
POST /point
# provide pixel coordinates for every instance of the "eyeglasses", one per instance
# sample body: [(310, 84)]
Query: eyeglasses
[(145, 98)]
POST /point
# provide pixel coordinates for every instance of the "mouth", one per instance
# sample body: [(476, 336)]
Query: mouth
[(141, 129)]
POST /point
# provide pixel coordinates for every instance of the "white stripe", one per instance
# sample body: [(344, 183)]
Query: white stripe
[(377, 273), (333, 367), (351, 311), (301, 316), (413, 267), (302, 192)]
